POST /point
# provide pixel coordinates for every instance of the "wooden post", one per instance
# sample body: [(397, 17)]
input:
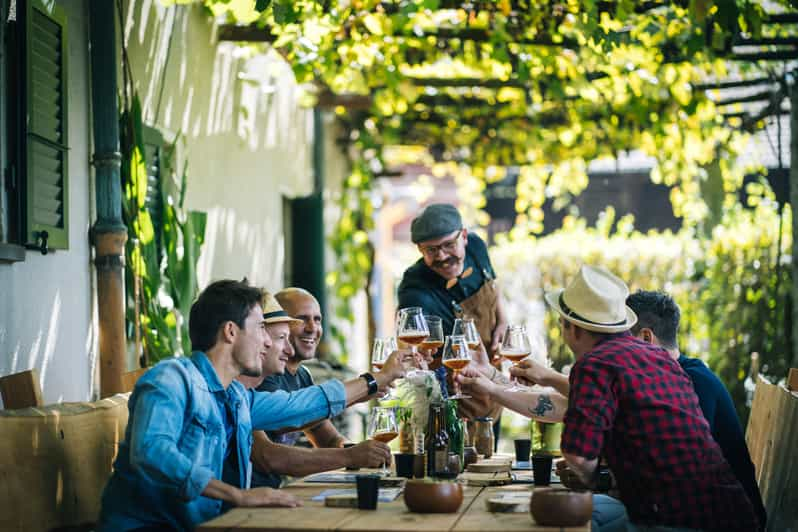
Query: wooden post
[(109, 232), (794, 205)]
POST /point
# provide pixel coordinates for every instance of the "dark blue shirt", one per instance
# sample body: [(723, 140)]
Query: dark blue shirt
[(289, 383), (718, 408), (422, 287)]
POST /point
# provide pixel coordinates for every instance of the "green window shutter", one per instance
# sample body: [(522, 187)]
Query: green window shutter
[(46, 144)]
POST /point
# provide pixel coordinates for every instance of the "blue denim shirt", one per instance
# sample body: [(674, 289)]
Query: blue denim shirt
[(175, 441)]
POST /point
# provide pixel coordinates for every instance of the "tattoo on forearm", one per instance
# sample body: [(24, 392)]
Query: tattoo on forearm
[(544, 405)]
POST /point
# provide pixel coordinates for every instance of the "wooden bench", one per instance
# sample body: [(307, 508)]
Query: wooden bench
[(772, 438), (55, 461)]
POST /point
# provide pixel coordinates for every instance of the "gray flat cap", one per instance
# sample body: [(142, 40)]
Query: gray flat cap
[(435, 221)]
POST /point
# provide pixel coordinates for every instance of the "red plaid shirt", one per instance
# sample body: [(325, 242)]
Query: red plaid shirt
[(633, 404)]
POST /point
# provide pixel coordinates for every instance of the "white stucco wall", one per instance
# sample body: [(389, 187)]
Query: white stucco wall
[(46, 302), (247, 141)]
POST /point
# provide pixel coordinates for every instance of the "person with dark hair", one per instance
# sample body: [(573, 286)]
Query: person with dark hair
[(631, 403), (185, 456), (658, 319)]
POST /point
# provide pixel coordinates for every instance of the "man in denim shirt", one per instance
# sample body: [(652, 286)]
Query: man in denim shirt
[(189, 433)]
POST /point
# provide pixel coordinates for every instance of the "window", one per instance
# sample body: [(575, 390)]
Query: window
[(34, 99)]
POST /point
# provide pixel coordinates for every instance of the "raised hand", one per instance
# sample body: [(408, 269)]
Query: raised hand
[(370, 453)]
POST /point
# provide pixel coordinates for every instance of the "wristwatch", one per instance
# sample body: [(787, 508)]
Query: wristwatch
[(371, 382)]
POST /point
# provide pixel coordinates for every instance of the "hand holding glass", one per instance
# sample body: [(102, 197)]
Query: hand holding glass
[(412, 328), (515, 347), (382, 427), (456, 356)]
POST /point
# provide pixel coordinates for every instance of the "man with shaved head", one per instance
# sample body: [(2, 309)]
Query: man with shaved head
[(270, 457)]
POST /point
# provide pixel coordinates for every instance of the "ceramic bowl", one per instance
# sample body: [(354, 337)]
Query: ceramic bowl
[(560, 507), (427, 497)]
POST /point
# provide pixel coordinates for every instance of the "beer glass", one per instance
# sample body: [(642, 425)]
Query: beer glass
[(456, 356)]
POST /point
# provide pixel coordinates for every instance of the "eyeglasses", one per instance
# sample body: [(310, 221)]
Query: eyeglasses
[(447, 247)]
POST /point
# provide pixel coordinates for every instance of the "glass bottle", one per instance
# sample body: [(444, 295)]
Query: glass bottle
[(438, 445), (456, 429), (483, 436)]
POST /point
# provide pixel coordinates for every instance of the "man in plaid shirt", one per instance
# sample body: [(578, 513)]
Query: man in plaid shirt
[(632, 403)]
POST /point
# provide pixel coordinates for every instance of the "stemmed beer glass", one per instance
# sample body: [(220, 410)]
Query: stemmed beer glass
[(412, 328), (382, 427), (515, 347), (456, 356)]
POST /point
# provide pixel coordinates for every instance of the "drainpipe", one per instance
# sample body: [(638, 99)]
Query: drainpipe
[(109, 233)]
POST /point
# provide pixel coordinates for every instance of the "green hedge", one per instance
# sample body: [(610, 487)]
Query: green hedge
[(732, 286)]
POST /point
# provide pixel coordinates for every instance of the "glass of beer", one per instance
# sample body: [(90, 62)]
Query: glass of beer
[(515, 347), (467, 328), (412, 328), (435, 339), (382, 427), (380, 351), (456, 356)]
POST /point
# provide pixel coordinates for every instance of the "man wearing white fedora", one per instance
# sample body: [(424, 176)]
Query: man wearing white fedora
[(631, 402)]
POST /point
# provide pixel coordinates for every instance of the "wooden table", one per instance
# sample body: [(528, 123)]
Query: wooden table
[(394, 516)]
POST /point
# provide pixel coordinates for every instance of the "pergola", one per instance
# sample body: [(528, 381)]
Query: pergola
[(544, 86)]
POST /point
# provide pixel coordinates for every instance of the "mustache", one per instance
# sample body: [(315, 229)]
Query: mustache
[(444, 263)]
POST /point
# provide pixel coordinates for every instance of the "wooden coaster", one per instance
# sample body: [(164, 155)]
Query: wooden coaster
[(515, 502), (341, 501), (487, 466), (486, 479), (392, 482)]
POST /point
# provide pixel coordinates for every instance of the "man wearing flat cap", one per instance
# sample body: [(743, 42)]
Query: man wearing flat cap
[(454, 278)]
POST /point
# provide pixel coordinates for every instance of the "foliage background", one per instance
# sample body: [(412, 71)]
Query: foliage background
[(733, 288)]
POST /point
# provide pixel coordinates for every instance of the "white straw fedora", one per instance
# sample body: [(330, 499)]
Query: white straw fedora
[(273, 312), (595, 300)]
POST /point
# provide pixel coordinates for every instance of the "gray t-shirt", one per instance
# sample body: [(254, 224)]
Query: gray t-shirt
[(288, 383)]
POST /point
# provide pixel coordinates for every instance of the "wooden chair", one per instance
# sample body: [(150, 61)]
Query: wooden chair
[(771, 436), (21, 390)]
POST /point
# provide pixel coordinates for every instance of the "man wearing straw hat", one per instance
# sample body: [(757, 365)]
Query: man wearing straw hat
[(631, 403), (274, 455)]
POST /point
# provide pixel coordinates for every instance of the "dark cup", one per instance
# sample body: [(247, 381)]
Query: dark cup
[(522, 448), (541, 466), (404, 464), (368, 488)]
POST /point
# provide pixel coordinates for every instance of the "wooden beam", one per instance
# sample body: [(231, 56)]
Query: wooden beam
[(758, 97), (781, 18), (250, 33), (720, 85), (779, 55)]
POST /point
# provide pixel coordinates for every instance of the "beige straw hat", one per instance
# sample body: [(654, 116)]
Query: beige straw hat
[(273, 312), (595, 300)]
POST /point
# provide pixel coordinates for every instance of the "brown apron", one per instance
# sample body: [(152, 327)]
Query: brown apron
[(481, 306)]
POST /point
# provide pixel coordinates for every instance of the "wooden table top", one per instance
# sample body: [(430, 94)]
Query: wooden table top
[(392, 516)]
